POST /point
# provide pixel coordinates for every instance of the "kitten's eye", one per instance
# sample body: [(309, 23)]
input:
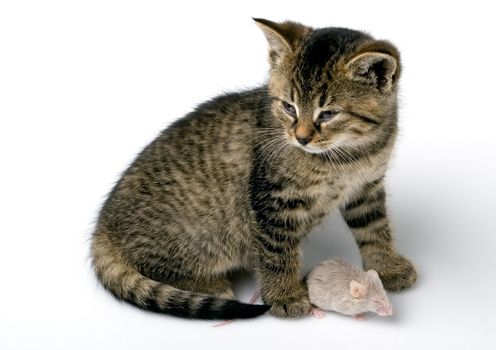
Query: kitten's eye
[(289, 108), (327, 115)]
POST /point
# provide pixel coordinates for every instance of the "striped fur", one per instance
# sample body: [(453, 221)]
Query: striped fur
[(229, 187), (366, 215), (125, 282)]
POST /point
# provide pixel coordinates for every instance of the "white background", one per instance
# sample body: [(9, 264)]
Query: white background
[(85, 85)]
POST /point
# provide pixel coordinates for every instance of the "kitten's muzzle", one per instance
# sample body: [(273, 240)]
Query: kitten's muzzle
[(304, 131)]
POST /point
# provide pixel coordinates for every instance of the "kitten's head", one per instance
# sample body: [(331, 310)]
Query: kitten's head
[(331, 87)]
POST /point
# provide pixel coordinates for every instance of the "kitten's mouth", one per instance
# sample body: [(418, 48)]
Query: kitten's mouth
[(307, 148)]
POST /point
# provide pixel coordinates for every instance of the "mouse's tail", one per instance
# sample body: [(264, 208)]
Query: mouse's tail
[(128, 284)]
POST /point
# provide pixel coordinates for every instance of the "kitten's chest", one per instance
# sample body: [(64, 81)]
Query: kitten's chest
[(329, 188), (330, 192)]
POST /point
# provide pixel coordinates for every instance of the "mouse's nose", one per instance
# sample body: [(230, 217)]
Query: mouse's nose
[(303, 140), (386, 311)]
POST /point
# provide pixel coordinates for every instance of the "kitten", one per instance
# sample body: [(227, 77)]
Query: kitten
[(239, 182)]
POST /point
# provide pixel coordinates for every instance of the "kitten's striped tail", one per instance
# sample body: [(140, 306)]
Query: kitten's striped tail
[(126, 283)]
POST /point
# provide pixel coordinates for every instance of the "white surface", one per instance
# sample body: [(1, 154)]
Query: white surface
[(85, 85)]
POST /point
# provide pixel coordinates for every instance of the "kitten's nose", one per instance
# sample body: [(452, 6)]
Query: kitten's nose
[(303, 140), (304, 131)]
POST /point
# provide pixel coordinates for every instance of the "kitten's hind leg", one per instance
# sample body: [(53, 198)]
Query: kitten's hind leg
[(218, 286), (225, 294)]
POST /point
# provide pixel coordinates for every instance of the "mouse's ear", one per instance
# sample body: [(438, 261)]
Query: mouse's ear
[(373, 274), (357, 289)]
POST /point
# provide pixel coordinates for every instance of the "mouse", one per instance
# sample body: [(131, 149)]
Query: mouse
[(336, 285)]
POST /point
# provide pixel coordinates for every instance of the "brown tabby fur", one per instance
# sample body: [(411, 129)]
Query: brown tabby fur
[(229, 187)]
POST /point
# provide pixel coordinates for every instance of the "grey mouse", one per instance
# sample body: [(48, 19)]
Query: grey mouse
[(335, 285)]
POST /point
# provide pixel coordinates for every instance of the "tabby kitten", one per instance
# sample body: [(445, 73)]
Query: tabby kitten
[(238, 183)]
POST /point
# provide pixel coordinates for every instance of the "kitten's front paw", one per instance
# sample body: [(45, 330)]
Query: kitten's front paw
[(287, 301), (397, 272), (291, 308)]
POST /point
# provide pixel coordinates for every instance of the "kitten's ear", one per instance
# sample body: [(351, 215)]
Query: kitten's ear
[(282, 37), (376, 64)]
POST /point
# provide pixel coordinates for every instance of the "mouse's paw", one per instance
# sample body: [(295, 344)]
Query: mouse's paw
[(360, 317), (291, 308), (396, 271), (316, 312)]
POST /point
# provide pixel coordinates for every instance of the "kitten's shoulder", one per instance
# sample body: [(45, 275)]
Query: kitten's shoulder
[(236, 106), (249, 99)]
